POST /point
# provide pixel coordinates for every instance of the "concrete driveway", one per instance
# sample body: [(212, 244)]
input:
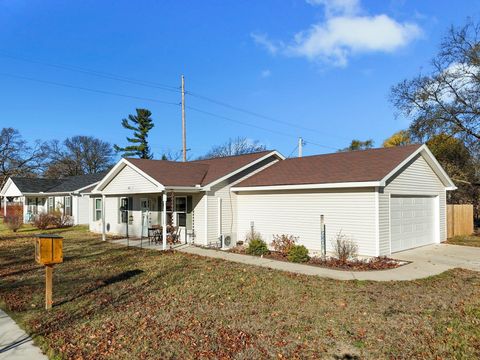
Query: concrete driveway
[(426, 261), (443, 257)]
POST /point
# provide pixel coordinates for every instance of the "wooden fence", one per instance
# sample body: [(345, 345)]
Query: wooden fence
[(459, 220)]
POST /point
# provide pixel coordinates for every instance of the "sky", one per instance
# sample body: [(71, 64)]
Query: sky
[(270, 70)]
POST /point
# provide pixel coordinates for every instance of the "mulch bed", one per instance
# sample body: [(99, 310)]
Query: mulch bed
[(376, 263)]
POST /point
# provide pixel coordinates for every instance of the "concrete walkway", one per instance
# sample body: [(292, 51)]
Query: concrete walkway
[(15, 344), (425, 261)]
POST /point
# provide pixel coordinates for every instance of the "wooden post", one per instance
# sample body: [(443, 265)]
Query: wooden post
[(48, 286)]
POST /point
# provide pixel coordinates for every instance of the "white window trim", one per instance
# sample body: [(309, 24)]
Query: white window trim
[(179, 212), (97, 210)]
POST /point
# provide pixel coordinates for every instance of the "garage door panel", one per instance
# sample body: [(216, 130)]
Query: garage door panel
[(412, 221)]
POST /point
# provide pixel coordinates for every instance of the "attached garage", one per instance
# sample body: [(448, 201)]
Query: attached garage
[(413, 221), (386, 200)]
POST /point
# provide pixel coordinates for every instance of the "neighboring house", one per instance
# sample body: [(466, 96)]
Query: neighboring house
[(386, 200), (39, 195)]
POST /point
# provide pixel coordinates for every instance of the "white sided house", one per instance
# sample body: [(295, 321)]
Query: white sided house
[(385, 200), (138, 195), (39, 195)]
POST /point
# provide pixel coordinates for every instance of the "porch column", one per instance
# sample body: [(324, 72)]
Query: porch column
[(4, 205), (104, 235), (164, 220)]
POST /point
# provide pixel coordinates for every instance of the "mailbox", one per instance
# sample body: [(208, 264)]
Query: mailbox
[(48, 249)]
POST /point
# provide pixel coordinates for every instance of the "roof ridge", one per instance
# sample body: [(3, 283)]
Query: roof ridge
[(357, 151)]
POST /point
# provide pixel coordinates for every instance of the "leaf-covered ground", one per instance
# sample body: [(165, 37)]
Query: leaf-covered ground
[(119, 303), (466, 240)]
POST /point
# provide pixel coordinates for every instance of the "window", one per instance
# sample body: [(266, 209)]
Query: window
[(98, 210), (181, 210), (181, 204), (182, 219), (67, 203), (50, 204)]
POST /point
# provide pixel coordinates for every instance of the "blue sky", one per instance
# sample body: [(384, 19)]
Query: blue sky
[(325, 66)]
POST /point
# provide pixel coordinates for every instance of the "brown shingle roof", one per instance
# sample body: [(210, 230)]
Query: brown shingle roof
[(219, 167), (353, 166), (191, 173)]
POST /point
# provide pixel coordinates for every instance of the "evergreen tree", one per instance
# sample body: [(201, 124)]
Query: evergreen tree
[(140, 124)]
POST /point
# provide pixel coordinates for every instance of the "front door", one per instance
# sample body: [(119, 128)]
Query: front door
[(180, 217)]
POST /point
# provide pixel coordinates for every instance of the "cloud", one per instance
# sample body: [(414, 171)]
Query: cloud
[(344, 32), (265, 42), (343, 7), (266, 73), (339, 37)]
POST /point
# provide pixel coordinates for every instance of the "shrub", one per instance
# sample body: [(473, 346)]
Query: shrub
[(298, 254), (54, 219), (283, 243), (257, 247), (59, 220), (344, 248), (14, 218), (42, 221), (252, 235)]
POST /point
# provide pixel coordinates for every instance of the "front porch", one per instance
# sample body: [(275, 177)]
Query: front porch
[(153, 220)]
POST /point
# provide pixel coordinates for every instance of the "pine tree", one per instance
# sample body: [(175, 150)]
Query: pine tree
[(140, 124)]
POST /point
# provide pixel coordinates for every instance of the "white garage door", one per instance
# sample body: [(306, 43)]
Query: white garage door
[(412, 221)]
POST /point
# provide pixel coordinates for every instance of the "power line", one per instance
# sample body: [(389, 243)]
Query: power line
[(105, 92), (255, 126), (290, 155), (101, 74), (164, 87), (253, 113)]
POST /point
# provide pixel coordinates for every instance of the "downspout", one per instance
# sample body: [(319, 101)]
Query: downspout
[(104, 235)]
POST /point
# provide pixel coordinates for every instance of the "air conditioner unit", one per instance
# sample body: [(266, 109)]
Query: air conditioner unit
[(227, 241)]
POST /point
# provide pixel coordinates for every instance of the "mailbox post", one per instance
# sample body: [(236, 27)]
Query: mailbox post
[(48, 252)]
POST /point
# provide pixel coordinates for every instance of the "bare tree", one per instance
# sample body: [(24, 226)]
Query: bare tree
[(172, 155), (79, 155), (237, 146), (17, 158), (446, 100)]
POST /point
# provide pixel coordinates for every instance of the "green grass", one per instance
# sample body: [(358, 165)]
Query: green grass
[(116, 302), (471, 240)]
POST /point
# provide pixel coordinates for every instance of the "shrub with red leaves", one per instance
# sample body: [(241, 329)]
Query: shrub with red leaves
[(283, 243), (14, 218)]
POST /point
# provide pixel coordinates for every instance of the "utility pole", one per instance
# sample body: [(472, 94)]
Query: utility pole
[(300, 146), (184, 130)]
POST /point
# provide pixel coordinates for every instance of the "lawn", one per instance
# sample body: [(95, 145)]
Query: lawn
[(121, 303), (467, 240)]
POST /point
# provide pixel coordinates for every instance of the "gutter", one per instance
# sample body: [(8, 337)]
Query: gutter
[(362, 184)]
